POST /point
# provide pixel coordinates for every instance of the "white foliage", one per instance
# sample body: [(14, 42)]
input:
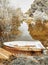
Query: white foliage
[(40, 15)]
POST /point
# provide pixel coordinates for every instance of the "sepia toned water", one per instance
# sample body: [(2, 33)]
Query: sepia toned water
[(25, 36)]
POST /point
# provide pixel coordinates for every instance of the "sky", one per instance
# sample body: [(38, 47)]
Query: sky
[(23, 4)]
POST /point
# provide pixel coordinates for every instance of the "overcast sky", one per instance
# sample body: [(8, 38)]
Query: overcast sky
[(24, 4)]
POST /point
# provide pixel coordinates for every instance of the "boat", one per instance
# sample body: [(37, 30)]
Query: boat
[(24, 47)]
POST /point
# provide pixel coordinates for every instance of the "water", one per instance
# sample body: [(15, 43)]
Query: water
[(25, 36)]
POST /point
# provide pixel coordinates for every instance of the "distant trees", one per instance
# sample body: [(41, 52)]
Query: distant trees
[(41, 5), (10, 20)]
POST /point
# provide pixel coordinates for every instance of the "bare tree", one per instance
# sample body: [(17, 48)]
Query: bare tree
[(10, 20)]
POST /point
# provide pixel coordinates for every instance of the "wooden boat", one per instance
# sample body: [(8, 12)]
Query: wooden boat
[(24, 47)]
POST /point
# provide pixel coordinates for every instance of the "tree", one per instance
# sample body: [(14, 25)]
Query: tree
[(41, 5), (10, 19)]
